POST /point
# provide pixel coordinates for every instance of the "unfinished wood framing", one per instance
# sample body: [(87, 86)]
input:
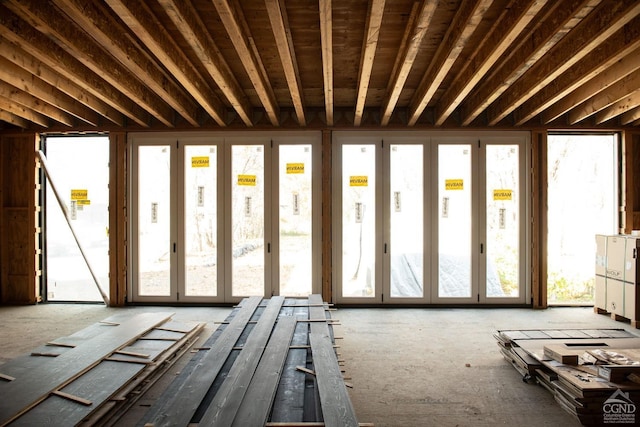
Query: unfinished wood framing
[(19, 250)]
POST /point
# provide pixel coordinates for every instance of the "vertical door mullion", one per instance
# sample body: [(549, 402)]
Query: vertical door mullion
[(227, 221), (384, 218), (272, 224), (177, 227), (480, 213), (271, 196), (427, 219)]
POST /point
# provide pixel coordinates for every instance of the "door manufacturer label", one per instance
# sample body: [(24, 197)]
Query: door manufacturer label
[(503, 194), (358, 181), (247, 180), (454, 184), (295, 168), (200, 162)]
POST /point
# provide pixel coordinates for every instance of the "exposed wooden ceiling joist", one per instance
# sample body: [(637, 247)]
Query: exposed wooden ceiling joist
[(510, 25), (141, 20), (369, 45), (282, 33), (630, 116), (14, 108), (621, 44), (112, 36), (233, 21), (45, 94), (50, 53), (466, 21), (629, 103), (605, 20), (101, 65), (73, 39), (39, 70), (602, 81), (611, 95), (553, 24), (11, 118), (326, 37), (185, 17), (414, 34)]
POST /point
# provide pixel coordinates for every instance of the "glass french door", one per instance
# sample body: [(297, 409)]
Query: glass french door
[(430, 219), (217, 219)]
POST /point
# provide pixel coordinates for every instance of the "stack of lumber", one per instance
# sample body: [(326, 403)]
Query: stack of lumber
[(272, 362), (94, 375), (585, 370)]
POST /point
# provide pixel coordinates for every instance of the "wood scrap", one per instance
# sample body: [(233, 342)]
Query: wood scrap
[(73, 398)]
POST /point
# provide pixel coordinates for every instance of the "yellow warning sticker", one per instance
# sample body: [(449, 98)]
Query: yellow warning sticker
[(358, 181), (247, 180), (295, 168), (200, 162), (503, 194), (454, 184), (79, 194), (83, 202)]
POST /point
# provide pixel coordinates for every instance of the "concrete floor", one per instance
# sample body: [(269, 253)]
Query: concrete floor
[(409, 367)]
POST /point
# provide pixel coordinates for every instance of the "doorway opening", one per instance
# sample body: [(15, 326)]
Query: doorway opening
[(79, 169), (582, 180)]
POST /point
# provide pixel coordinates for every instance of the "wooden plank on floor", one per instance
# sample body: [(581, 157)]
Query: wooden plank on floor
[(257, 402), (289, 403), (225, 404), (337, 410), (35, 385), (178, 407)]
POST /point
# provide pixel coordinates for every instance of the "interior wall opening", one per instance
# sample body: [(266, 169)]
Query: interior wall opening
[(582, 177), (79, 171)]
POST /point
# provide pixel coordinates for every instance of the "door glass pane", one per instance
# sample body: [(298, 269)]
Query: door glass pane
[(406, 220), (78, 163), (503, 230), (295, 220), (582, 202), (454, 223), (358, 220), (200, 220), (154, 211), (247, 221)]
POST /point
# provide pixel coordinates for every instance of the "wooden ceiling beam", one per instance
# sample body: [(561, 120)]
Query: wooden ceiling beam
[(8, 105), (11, 118), (602, 81), (558, 20), (368, 53), (234, 22), (465, 22), (185, 17), (326, 41), (406, 57), (282, 33), (38, 45), (27, 100), (30, 83), (600, 24), (76, 42), (629, 103), (35, 67), (630, 117), (144, 24), (114, 39), (623, 43), (510, 25), (605, 98)]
